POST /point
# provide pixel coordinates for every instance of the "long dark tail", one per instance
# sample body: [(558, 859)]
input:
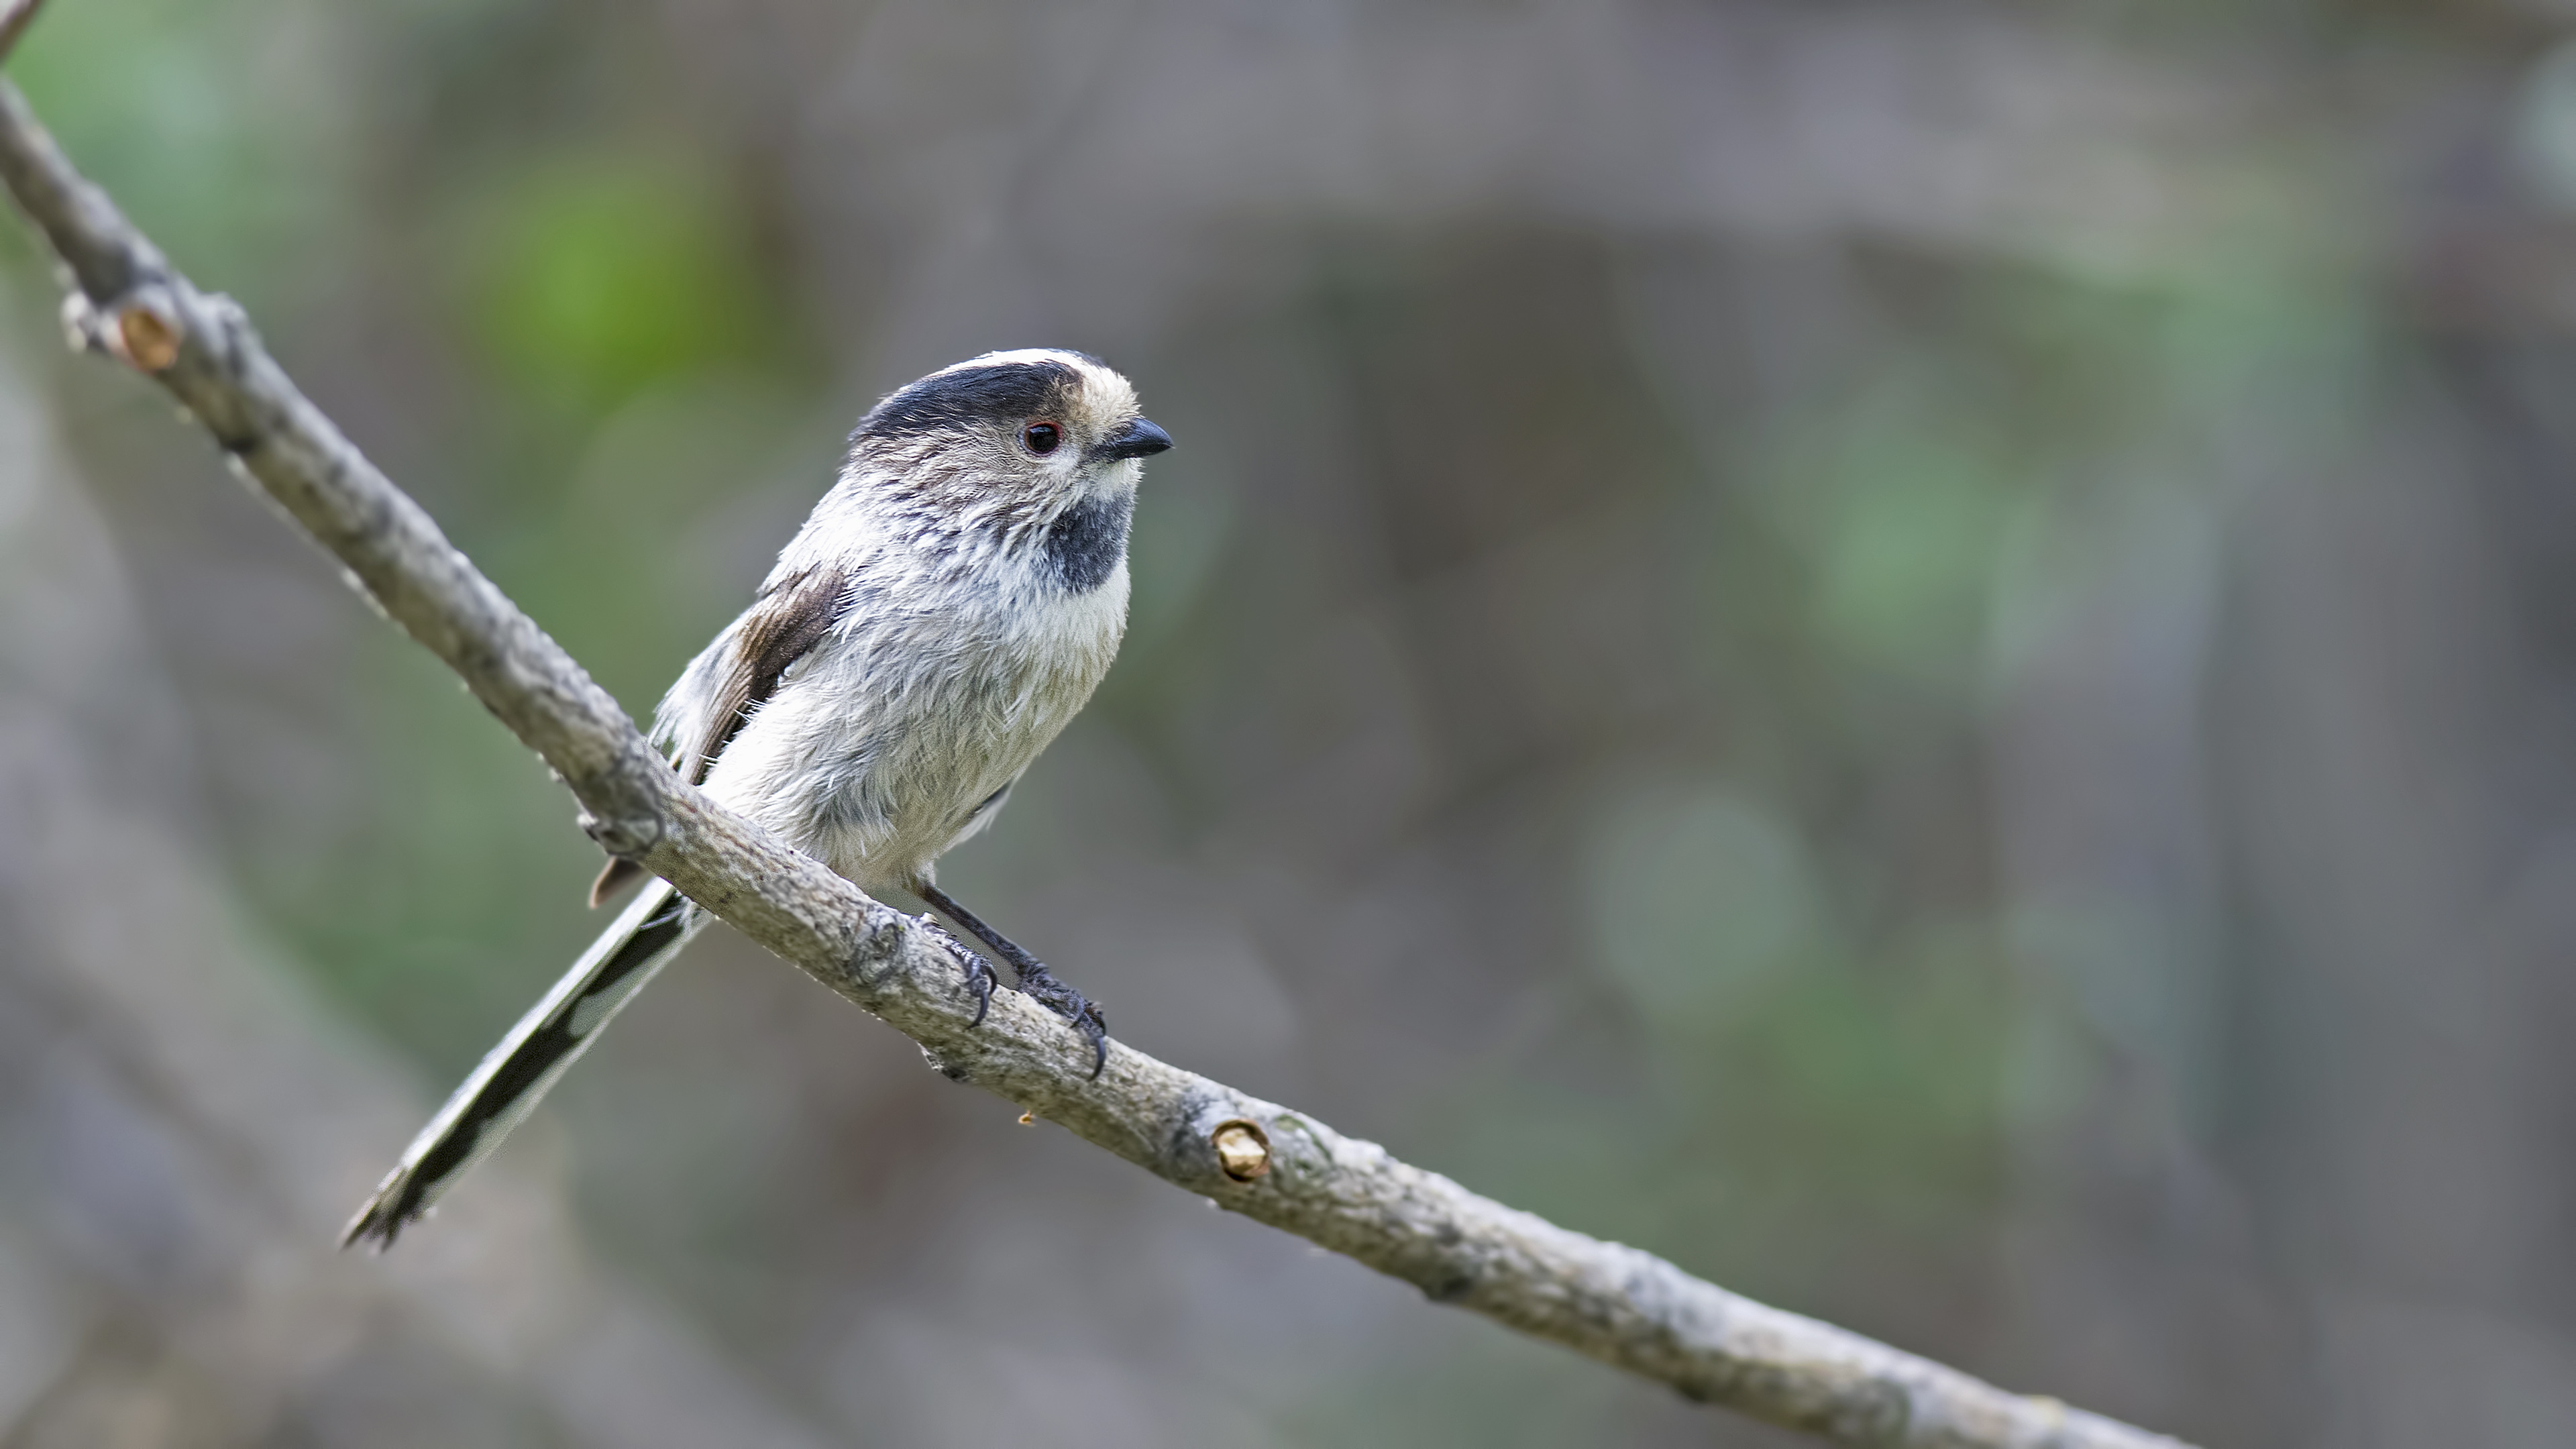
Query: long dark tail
[(645, 936)]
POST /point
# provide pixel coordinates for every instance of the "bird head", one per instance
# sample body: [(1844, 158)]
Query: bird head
[(1017, 435)]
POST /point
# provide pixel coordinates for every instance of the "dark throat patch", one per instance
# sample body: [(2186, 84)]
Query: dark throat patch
[(1086, 542)]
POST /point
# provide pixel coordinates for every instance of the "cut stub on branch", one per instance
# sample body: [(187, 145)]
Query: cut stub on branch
[(1242, 1149), (146, 336), (142, 329)]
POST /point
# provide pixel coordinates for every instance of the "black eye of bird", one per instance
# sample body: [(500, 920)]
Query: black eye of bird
[(1042, 438)]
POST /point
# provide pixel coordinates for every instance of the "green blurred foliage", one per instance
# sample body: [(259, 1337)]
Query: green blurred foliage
[(593, 277), (237, 137), (1905, 546), (1699, 900)]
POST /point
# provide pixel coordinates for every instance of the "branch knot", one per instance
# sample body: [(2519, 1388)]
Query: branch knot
[(627, 837)]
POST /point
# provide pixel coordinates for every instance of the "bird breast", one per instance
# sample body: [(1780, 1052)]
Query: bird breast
[(934, 692)]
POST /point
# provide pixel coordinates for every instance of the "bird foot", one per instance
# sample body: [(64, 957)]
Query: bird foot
[(1034, 978), (980, 976), (1040, 984)]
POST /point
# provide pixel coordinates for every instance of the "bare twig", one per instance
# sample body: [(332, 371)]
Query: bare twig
[(1279, 1167), (14, 22)]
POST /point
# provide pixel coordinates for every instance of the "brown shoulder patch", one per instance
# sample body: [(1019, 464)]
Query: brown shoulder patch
[(787, 621)]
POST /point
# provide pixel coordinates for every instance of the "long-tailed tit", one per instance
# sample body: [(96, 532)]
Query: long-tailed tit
[(946, 609)]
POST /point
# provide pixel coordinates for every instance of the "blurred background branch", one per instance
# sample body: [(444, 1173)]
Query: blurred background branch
[(14, 21), (1616, 1304)]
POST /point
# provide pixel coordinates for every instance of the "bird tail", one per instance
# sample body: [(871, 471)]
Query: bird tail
[(517, 1072)]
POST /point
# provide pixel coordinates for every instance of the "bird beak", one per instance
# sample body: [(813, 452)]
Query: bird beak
[(1139, 439)]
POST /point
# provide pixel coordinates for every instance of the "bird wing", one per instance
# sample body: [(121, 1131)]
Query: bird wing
[(787, 621), (789, 618)]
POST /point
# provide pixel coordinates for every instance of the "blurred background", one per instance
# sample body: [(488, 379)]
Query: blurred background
[(1921, 655)]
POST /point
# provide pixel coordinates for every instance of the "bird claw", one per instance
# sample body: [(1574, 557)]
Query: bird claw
[(1040, 985), (980, 976)]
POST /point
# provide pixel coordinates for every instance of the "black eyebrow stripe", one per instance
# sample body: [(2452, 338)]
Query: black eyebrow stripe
[(997, 392)]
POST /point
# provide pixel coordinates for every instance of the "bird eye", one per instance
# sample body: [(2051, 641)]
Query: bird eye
[(1042, 438)]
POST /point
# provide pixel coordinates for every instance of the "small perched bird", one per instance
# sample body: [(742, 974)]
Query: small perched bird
[(944, 612)]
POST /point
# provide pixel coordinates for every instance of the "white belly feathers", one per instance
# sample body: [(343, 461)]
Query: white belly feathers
[(902, 722)]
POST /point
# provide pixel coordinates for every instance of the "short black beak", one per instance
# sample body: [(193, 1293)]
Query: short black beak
[(1139, 439)]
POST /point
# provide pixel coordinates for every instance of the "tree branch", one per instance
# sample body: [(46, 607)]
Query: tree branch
[(1617, 1304), (14, 22)]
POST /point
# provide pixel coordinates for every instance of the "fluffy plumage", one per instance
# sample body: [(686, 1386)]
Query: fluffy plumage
[(942, 615)]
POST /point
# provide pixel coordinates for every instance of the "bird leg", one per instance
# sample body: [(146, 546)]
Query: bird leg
[(1034, 978)]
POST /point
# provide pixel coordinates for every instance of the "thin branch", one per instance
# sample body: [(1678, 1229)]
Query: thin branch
[(14, 23), (1614, 1303)]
